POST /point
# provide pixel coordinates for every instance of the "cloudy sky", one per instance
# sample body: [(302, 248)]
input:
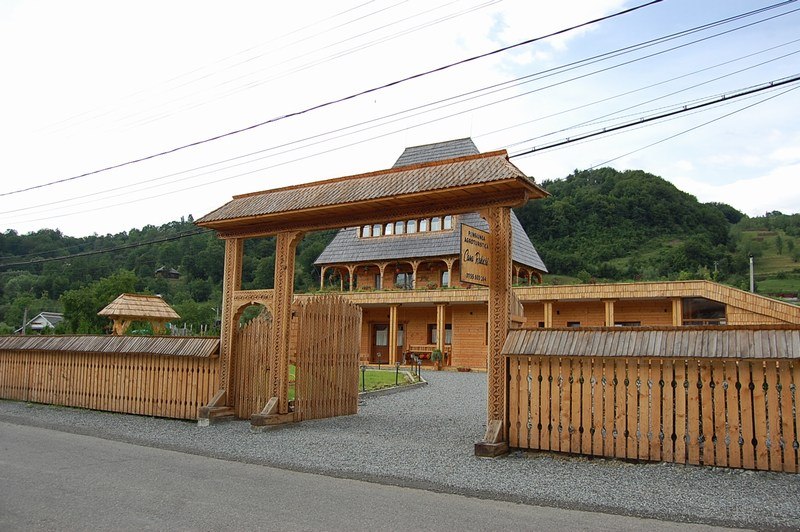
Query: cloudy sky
[(92, 84)]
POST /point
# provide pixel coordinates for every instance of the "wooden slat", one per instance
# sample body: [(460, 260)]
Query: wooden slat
[(772, 413), (788, 434), (746, 408), (656, 421), (680, 410), (585, 410), (732, 398), (693, 412), (717, 442), (644, 428), (760, 416), (620, 404)]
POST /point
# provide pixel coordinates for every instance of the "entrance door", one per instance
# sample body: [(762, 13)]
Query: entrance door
[(379, 353)]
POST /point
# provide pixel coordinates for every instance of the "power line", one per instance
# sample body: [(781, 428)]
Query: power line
[(185, 234), (465, 97), (337, 100), (644, 120), (695, 127)]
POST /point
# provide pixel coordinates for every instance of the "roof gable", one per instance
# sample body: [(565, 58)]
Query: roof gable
[(140, 307), (437, 151)]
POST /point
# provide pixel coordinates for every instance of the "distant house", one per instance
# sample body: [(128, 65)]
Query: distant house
[(43, 321), (168, 273)]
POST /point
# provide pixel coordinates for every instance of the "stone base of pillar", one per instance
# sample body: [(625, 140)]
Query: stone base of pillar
[(490, 450), (261, 422)]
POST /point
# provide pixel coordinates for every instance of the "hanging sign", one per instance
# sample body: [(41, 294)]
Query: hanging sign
[(474, 256)]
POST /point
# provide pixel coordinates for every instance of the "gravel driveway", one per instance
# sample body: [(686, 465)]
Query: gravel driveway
[(424, 438)]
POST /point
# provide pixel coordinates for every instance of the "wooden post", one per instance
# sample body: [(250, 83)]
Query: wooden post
[(609, 304), (677, 311), (322, 277), (382, 267), (496, 439), (393, 334), (231, 282), (414, 267), (548, 314), (440, 324), (351, 269), (277, 408), (221, 404)]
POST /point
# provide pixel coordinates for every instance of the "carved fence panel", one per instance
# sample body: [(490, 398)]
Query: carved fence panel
[(328, 343), (721, 412), (251, 366)]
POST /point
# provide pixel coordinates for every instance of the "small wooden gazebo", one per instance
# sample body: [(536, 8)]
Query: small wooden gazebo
[(128, 308)]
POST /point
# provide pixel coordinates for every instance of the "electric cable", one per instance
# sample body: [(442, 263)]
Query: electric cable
[(336, 100)]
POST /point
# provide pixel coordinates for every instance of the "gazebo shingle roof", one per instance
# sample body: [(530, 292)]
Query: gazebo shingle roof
[(139, 307)]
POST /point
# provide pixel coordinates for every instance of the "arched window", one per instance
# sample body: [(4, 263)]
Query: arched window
[(366, 231), (411, 226), (436, 224), (423, 225), (376, 230), (389, 229), (445, 278), (399, 228), (447, 222)]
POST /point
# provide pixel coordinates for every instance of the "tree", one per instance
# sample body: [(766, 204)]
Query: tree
[(82, 305), (779, 244)]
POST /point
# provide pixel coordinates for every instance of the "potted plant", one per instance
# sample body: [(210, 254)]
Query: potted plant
[(436, 358)]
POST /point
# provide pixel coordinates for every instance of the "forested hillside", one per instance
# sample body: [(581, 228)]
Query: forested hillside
[(597, 225), (608, 225)]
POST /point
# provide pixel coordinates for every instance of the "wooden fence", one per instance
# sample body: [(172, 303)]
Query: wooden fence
[(328, 344), (163, 383), (740, 413)]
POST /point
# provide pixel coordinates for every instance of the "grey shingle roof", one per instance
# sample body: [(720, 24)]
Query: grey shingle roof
[(436, 152), (346, 246)]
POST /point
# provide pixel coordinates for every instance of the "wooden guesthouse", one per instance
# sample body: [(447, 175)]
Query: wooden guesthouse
[(405, 275)]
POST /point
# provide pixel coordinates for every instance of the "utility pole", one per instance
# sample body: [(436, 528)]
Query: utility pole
[(752, 284), (24, 321)]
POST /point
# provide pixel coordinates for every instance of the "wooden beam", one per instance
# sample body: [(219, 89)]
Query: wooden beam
[(231, 282), (393, 334)]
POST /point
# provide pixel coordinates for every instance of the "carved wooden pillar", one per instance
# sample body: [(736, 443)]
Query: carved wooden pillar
[(449, 263), (499, 220), (440, 324), (548, 314), (277, 408), (414, 266), (231, 282), (351, 268), (382, 268), (392, 334), (609, 305), (677, 311)]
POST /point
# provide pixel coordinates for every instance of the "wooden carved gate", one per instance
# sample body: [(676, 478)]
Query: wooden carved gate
[(328, 344), (251, 366)]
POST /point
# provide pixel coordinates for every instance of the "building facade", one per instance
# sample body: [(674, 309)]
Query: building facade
[(405, 275)]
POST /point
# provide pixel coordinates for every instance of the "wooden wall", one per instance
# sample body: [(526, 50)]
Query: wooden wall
[(648, 311), (151, 385), (721, 412), (469, 336)]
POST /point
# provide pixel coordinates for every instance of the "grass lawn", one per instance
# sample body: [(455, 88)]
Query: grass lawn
[(373, 380)]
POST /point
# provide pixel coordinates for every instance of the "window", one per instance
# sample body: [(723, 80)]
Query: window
[(404, 281), (445, 281), (401, 335), (573, 324), (541, 325), (399, 228), (366, 231), (411, 226), (627, 323), (447, 222), (378, 281), (376, 230), (381, 335), (436, 224), (702, 311), (389, 229), (433, 333), (423, 225)]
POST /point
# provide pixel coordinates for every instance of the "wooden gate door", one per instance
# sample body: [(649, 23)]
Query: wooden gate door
[(328, 344), (251, 366)]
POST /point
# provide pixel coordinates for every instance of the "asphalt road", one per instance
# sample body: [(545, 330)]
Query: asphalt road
[(51, 480)]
